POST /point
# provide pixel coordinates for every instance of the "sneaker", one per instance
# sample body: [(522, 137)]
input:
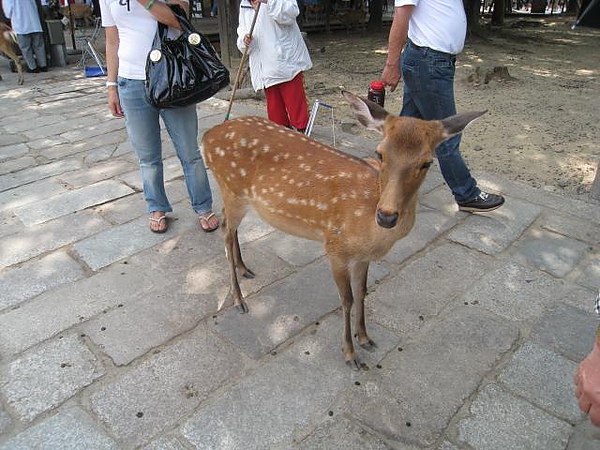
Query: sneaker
[(484, 202), (43, 68), (36, 70)]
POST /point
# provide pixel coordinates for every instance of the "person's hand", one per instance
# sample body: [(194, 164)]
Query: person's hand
[(587, 385), (256, 3), (391, 76), (247, 40), (114, 104)]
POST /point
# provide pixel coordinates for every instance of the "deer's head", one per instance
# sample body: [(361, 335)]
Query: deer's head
[(405, 152)]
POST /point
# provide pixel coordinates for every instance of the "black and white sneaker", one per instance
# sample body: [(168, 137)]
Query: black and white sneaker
[(484, 202)]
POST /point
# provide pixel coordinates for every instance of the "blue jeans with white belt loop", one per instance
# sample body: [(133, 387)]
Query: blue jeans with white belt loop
[(143, 129), (429, 94)]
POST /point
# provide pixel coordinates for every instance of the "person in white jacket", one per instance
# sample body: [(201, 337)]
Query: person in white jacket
[(278, 57)]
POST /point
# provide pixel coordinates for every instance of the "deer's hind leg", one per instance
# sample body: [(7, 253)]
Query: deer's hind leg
[(233, 213)]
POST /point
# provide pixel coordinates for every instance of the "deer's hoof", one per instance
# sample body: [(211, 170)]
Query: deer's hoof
[(248, 274), (242, 308), (354, 364), (369, 345)]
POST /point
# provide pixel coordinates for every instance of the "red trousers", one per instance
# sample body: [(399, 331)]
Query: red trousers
[(287, 104)]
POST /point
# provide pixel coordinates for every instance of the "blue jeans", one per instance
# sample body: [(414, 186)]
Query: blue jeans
[(143, 128), (429, 94)]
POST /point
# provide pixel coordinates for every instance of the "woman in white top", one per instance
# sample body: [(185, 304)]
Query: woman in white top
[(130, 28)]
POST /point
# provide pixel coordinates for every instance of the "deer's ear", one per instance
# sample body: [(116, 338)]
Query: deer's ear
[(370, 114), (454, 125)]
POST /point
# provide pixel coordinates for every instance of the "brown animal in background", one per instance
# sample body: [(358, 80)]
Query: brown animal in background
[(357, 209), (354, 18), (8, 40), (79, 11)]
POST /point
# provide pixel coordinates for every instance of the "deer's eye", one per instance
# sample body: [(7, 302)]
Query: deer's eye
[(379, 156), (426, 165)]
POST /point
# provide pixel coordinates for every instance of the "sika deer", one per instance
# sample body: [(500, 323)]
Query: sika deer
[(357, 209), (7, 42)]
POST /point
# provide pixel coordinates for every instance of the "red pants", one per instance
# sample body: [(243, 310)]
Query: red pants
[(287, 104)]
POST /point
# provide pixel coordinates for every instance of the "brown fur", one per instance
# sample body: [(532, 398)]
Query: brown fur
[(7, 46), (79, 12)]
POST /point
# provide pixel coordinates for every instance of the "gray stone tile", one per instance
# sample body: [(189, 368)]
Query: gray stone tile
[(342, 433), (428, 226), (30, 193), (15, 165), (585, 437), (40, 120), (5, 420), (165, 443), (9, 151), (44, 377), (9, 224), (540, 376), (516, 292), (71, 429), (275, 405), (97, 172), (71, 201), (159, 392), (571, 226), (280, 311), (37, 173), (550, 252), (46, 142), (34, 277), (500, 421), (568, 330), (171, 170), (400, 302), (582, 298), (8, 139), (590, 273), (441, 199), (494, 232), (293, 250), (61, 308), (418, 390), (46, 237)]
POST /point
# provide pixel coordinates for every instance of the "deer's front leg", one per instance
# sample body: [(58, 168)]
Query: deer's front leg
[(341, 276), (231, 243), (360, 272)]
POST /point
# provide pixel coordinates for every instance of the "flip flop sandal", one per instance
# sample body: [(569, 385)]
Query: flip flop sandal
[(158, 220), (205, 223)]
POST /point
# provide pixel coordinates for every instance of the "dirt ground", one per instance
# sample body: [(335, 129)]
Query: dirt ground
[(543, 124)]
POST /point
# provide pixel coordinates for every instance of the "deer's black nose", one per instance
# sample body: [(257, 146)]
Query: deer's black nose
[(386, 220)]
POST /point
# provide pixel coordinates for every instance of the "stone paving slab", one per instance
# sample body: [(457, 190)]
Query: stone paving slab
[(500, 421), (72, 429), (30, 193), (155, 395), (417, 391), (404, 301), (71, 201), (45, 376), (493, 233), (30, 175), (264, 409), (39, 239), (32, 278), (553, 253), (540, 376)]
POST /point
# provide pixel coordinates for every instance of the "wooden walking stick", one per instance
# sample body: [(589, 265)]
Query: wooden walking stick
[(239, 72)]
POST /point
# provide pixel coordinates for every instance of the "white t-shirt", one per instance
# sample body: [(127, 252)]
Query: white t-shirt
[(137, 28), (437, 24)]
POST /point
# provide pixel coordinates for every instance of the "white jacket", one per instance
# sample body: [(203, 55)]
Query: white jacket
[(277, 52), (23, 15)]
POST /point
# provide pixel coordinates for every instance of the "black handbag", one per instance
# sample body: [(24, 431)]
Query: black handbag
[(185, 70)]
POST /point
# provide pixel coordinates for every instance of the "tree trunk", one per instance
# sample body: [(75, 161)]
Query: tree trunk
[(538, 6), (498, 13), (375, 15), (472, 11)]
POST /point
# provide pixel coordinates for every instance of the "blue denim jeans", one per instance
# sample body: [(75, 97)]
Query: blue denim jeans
[(429, 94), (143, 129)]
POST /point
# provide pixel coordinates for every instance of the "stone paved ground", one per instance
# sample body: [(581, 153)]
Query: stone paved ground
[(115, 338)]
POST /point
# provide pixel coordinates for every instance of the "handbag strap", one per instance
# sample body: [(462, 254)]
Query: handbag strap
[(186, 27)]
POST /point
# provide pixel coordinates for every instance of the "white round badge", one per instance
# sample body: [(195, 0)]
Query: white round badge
[(155, 55), (194, 38)]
